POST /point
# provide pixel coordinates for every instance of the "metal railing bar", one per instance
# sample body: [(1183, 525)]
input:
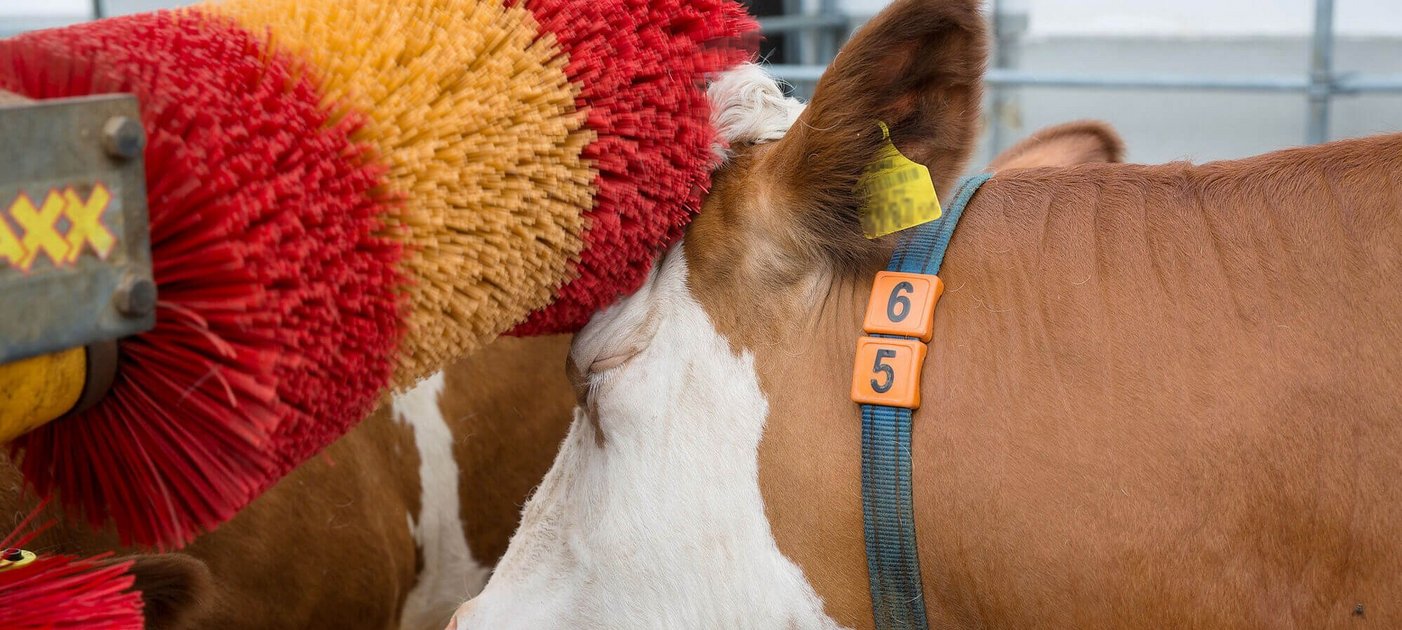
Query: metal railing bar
[(1321, 77), (790, 23), (1255, 83), (1021, 78), (1343, 85), (1367, 83)]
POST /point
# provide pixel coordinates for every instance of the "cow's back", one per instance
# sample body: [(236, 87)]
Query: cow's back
[(1179, 383)]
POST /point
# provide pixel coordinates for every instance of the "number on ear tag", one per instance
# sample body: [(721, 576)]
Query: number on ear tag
[(887, 372)]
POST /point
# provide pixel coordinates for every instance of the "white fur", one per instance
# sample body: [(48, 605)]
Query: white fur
[(449, 569), (747, 106), (662, 525)]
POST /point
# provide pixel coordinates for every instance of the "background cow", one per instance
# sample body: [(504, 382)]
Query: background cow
[(387, 528), (409, 511), (1067, 144), (1157, 396)]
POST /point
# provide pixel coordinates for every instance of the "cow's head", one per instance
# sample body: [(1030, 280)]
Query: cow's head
[(656, 513), (652, 515)]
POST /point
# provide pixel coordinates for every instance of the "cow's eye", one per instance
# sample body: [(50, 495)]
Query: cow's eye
[(604, 364)]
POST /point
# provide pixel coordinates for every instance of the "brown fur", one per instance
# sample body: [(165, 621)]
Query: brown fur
[(1157, 396), (1067, 144), (516, 405), (329, 546), (808, 461), (174, 587)]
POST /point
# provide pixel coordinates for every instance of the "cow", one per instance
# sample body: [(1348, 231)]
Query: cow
[(1156, 396), (1063, 145), (406, 513)]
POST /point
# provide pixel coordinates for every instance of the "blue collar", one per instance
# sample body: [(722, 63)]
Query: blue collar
[(893, 563)]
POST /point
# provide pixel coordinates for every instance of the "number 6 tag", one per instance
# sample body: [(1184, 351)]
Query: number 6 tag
[(903, 304), (887, 372)]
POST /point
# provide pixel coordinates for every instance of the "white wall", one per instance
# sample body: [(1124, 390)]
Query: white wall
[(73, 10), (15, 8), (1190, 18)]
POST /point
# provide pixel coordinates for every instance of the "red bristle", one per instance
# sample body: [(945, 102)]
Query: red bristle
[(56, 592), (66, 592), (641, 66), (277, 314)]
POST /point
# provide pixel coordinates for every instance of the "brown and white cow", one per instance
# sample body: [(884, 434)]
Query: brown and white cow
[(406, 513), (1157, 396)]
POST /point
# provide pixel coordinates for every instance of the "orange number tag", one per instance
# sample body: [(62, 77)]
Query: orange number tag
[(903, 304), (887, 372)]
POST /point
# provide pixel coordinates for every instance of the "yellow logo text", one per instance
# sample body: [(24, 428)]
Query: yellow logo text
[(61, 227)]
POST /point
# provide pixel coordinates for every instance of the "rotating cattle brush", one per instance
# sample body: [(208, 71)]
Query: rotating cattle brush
[(555, 140), (349, 194)]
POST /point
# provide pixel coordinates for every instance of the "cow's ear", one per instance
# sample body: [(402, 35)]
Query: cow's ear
[(1069, 144), (917, 67), (175, 589)]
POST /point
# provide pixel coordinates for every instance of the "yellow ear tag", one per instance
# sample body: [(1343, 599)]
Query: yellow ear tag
[(899, 193)]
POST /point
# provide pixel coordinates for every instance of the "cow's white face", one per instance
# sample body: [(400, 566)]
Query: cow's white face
[(652, 515)]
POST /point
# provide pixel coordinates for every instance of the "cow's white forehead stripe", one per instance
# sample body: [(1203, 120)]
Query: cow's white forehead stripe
[(449, 570), (662, 526), (747, 105)]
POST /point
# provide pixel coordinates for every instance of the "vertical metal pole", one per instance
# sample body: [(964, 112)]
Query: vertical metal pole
[(794, 40), (996, 138), (1321, 72), (98, 10), (827, 43), (1009, 24)]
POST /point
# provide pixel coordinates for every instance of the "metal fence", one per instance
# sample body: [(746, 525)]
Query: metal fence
[(814, 38)]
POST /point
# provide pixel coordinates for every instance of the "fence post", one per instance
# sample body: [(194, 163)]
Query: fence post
[(1321, 86), (1009, 25), (830, 38)]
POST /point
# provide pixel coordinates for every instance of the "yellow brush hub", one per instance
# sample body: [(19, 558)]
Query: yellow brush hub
[(39, 389)]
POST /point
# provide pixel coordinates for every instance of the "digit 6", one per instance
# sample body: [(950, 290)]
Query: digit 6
[(899, 300)]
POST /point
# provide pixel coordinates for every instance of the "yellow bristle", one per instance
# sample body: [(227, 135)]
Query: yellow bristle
[(471, 112)]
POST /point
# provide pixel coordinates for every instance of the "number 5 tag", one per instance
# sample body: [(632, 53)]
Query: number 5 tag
[(887, 372)]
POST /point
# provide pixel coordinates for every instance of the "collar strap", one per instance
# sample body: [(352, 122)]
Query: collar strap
[(886, 381)]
